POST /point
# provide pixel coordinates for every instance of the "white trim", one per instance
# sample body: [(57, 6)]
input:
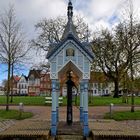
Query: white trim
[(67, 63)]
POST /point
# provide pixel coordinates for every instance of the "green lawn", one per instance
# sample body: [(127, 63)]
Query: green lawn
[(26, 100), (97, 101), (14, 114), (104, 101), (93, 101), (124, 115)]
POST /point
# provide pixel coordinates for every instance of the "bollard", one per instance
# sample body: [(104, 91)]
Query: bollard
[(21, 109), (111, 109)]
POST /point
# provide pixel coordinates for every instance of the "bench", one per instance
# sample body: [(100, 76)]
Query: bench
[(48, 100)]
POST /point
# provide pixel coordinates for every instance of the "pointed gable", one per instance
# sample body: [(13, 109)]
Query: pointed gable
[(23, 77), (16, 78), (34, 72), (86, 47), (70, 52)]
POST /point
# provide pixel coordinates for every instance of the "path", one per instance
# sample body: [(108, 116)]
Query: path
[(44, 112), (40, 123)]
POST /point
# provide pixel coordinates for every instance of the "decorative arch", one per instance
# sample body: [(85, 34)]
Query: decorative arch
[(70, 66)]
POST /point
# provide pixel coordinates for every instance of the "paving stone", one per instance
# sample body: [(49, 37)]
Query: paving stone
[(40, 123), (5, 124), (33, 129)]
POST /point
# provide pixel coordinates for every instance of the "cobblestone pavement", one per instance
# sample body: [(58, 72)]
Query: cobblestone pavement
[(26, 129), (111, 127), (42, 117), (5, 124)]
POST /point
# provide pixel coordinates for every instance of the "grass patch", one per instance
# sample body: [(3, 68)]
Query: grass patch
[(101, 101), (14, 114), (123, 115), (26, 100), (93, 101)]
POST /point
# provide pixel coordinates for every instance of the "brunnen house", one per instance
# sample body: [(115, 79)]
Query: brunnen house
[(68, 58)]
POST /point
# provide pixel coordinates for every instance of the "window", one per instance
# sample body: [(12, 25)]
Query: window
[(106, 91), (95, 85), (31, 80), (70, 52)]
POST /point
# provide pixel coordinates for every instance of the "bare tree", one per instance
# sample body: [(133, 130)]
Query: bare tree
[(119, 52), (132, 42), (50, 31), (109, 57), (12, 45), (45, 68)]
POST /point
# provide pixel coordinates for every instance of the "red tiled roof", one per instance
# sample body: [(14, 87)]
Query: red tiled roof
[(16, 78)]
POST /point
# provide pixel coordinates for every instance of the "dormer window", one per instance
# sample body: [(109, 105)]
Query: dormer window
[(70, 52)]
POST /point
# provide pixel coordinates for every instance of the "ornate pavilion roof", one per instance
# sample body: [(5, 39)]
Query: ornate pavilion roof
[(70, 34)]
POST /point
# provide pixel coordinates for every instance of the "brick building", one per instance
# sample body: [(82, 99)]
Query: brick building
[(38, 83)]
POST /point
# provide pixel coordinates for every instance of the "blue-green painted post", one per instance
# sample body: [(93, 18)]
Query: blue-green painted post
[(54, 113), (57, 104), (81, 100), (85, 109)]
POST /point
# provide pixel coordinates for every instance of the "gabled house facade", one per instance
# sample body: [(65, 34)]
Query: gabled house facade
[(1, 90), (13, 85), (34, 82), (22, 85), (39, 83), (45, 84)]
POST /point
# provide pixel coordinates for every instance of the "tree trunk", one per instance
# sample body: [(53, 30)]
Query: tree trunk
[(132, 91), (132, 103), (8, 87), (12, 84), (116, 91)]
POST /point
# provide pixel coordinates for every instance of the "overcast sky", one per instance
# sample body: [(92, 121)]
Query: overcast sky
[(97, 13)]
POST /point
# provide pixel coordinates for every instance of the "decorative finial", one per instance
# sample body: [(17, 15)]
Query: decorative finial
[(70, 1), (70, 10)]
